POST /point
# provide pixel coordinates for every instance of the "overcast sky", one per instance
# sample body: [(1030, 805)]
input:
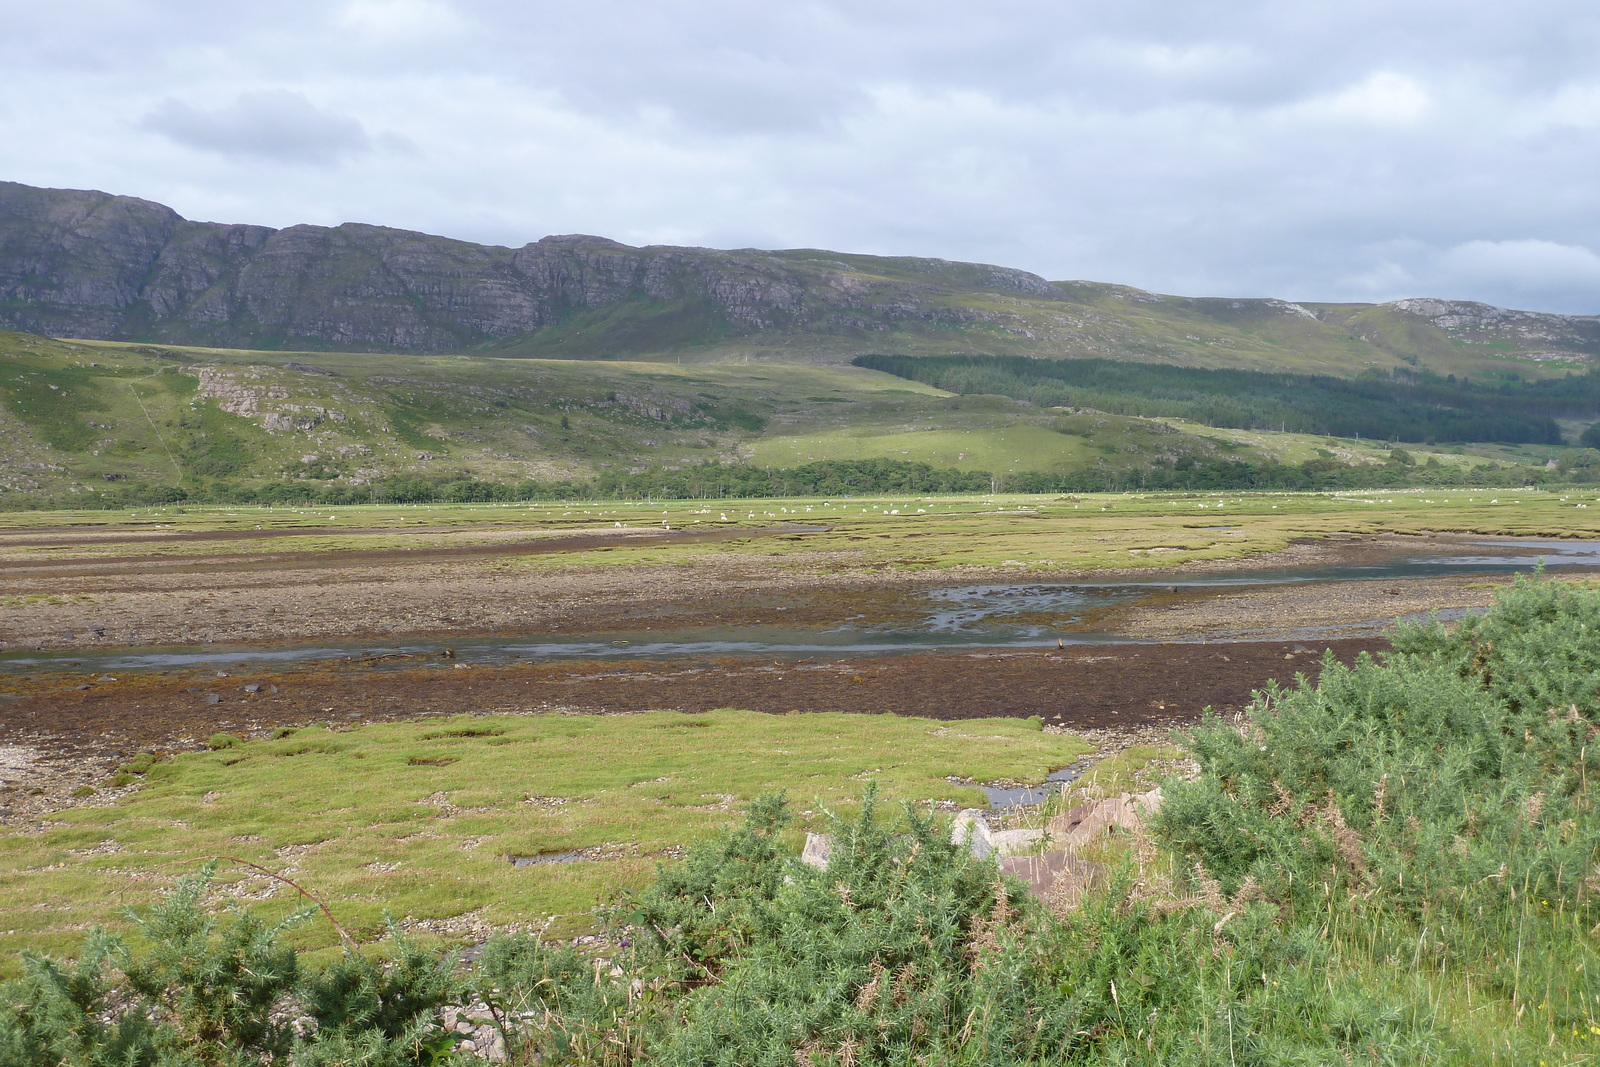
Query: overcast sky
[(1349, 150)]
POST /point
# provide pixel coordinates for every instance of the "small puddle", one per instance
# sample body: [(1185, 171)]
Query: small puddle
[(543, 858), (1031, 796)]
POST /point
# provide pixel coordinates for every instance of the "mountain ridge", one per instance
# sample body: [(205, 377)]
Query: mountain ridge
[(93, 265)]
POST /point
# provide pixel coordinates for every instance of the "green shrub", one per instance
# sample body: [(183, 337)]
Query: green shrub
[(208, 992), (60, 1013), (211, 984), (139, 764), (553, 1005), (221, 741), (706, 908), (378, 1013), (1437, 806)]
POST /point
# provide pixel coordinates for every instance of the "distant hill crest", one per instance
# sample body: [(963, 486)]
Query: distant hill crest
[(86, 264)]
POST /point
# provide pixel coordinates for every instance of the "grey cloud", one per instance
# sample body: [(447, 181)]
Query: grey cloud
[(1325, 149), (726, 99), (272, 124), (1547, 275), (1563, 277)]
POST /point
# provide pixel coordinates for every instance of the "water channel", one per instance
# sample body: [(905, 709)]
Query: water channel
[(997, 615)]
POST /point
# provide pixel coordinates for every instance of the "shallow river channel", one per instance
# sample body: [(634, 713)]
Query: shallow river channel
[(1006, 615)]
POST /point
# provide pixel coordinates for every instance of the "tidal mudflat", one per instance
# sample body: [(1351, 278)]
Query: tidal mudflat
[(151, 631)]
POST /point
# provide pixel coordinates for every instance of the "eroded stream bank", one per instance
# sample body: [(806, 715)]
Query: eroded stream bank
[(1116, 688)]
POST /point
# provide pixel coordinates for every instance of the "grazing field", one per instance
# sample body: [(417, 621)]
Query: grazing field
[(1086, 531), (246, 575)]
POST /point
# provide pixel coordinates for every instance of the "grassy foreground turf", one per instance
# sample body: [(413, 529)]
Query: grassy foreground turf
[(419, 818)]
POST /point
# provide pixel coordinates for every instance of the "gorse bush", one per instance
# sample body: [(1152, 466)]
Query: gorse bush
[(551, 1004), (708, 908), (377, 1013), (868, 958), (1396, 864), (211, 984), (905, 949), (1439, 805), (216, 992)]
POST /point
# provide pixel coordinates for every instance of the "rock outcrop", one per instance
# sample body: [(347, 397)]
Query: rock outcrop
[(1058, 875), (88, 264), (1472, 322), (1072, 830)]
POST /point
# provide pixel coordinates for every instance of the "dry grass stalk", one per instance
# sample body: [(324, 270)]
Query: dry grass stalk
[(1346, 841), (905, 980), (985, 939), (805, 1051), (1249, 890), (1210, 890), (867, 996), (1284, 804)]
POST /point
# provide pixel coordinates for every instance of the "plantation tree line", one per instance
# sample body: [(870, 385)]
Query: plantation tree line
[(705, 482), (1400, 470), (1410, 406), (843, 477), (1355, 861)]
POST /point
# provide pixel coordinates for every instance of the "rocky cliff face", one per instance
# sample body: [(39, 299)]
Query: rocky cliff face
[(92, 265), (88, 264)]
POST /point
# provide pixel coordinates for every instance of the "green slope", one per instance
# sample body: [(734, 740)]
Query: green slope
[(1076, 319), (90, 417)]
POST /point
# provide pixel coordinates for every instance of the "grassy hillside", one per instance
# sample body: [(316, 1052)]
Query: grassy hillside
[(955, 315), (82, 416), (86, 414), (90, 419), (1408, 406)]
